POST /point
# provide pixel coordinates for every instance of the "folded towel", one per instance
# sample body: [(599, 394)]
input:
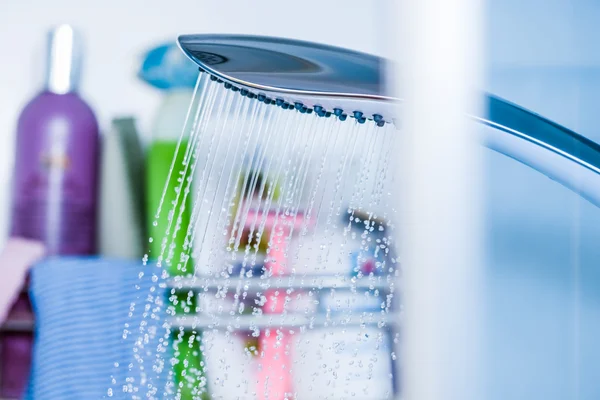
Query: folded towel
[(88, 317)]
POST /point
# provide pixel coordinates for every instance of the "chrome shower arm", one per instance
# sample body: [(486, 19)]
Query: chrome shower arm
[(557, 152)]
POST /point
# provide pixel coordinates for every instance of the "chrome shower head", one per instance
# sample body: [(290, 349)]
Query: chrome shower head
[(291, 73), (327, 80)]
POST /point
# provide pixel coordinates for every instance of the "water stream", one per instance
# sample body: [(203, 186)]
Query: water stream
[(282, 285)]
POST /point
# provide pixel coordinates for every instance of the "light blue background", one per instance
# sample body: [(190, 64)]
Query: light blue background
[(543, 270)]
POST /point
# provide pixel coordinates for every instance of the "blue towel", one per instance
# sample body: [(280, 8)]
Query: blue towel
[(83, 306)]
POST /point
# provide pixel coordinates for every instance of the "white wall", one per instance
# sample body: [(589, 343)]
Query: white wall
[(117, 31)]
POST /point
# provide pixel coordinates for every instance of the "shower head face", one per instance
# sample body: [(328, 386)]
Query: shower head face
[(294, 71)]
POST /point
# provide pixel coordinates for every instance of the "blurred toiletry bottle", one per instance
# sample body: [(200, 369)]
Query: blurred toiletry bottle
[(54, 181), (168, 209), (122, 221), (55, 173)]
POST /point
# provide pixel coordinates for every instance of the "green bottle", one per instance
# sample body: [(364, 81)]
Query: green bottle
[(190, 380), (160, 156), (166, 68), (189, 366)]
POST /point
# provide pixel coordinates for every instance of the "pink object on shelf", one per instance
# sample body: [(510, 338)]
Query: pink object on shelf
[(15, 259), (274, 377), (15, 352)]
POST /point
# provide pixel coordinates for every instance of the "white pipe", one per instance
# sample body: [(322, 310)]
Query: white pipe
[(439, 200)]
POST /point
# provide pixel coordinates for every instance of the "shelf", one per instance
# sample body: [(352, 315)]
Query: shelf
[(315, 282), (252, 322)]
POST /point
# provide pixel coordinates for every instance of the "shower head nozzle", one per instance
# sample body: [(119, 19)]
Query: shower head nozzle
[(292, 73)]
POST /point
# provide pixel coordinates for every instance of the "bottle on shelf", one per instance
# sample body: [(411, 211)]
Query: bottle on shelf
[(54, 182)]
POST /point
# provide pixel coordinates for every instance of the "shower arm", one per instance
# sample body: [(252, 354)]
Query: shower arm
[(315, 75)]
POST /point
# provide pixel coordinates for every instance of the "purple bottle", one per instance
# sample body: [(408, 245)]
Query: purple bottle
[(55, 183)]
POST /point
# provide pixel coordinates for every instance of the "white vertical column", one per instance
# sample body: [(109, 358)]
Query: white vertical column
[(439, 46)]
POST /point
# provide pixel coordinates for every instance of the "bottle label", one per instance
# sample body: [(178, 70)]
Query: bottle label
[(51, 203), (70, 235)]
